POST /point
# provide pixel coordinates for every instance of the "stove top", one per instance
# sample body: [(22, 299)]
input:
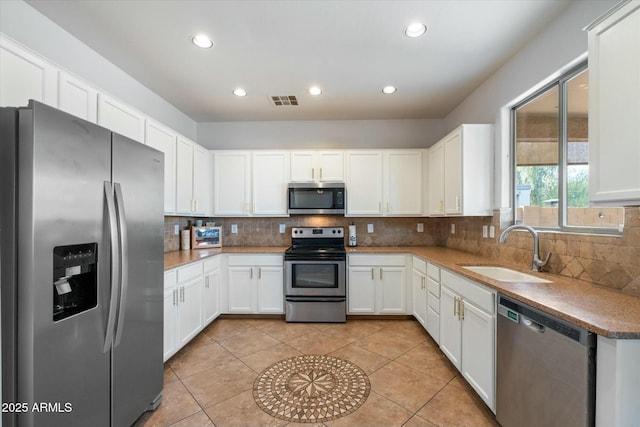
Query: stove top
[(317, 242)]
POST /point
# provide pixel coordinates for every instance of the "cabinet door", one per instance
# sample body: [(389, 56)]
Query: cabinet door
[(450, 330), (201, 180), (361, 290), (419, 284), (303, 166), (77, 97), (184, 176), (241, 290), (270, 290), (330, 166), (453, 174), (403, 192), (433, 322), (392, 285), (364, 183), (614, 109), (190, 309), (436, 179), (211, 298), (163, 139), (478, 352), (25, 76), (120, 118), (170, 322), (270, 183), (232, 183)]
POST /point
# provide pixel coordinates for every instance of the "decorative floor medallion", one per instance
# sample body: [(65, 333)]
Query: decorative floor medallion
[(311, 388)]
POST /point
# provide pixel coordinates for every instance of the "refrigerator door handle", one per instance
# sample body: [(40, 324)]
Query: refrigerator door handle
[(124, 261), (115, 263)]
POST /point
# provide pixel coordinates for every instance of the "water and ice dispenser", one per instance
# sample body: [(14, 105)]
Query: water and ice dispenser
[(75, 279)]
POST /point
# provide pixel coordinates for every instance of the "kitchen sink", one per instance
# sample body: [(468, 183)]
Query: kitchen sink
[(503, 274)]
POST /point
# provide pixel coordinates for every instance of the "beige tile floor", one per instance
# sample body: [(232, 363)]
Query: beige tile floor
[(209, 382)]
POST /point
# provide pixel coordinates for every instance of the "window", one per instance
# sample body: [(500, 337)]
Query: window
[(551, 171)]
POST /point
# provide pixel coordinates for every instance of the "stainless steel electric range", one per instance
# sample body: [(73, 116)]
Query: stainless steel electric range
[(315, 275)]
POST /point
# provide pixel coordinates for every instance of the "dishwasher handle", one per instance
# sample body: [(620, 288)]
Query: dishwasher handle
[(539, 321)]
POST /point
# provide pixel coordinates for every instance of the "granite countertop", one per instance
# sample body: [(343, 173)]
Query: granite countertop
[(606, 312), (179, 258)]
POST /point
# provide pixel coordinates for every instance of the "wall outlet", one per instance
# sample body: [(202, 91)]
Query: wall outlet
[(453, 229), (176, 229), (369, 228), (485, 231), (420, 227), (283, 227), (492, 232), (234, 228)]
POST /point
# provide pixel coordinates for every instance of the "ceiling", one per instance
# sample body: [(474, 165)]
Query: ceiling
[(350, 48)]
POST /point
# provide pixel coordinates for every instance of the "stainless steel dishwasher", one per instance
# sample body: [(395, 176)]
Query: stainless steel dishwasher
[(545, 369)]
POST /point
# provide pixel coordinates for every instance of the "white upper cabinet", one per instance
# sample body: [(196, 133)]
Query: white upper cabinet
[(310, 166), (460, 172), (77, 97), (25, 76), (201, 180), (192, 178), (232, 183), (364, 183), (384, 182), (270, 178), (614, 107), (403, 182), (436, 179), (120, 118), (164, 139)]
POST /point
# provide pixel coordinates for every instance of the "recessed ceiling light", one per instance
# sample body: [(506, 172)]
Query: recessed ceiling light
[(202, 41), (315, 90), (389, 89), (415, 30), (240, 92)]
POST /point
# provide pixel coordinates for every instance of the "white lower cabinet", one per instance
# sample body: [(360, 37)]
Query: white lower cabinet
[(376, 284), (468, 331), (211, 292), (182, 306), (433, 301), (255, 284), (419, 284), (191, 301)]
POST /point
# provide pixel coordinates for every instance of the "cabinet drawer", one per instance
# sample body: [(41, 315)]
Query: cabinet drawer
[(211, 264), (433, 302), (170, 278), (189, 272), (255, 260), (471, 291), (433, 287), (433, 271), (420, 265), (377, 260)]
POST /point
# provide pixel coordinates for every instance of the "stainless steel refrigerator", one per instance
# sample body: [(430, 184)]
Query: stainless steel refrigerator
[(81, 262)]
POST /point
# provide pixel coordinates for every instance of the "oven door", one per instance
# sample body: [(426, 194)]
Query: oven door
[(314, 278)]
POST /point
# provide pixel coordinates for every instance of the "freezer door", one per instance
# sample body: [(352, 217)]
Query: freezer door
[(138, 179), (62, 367)]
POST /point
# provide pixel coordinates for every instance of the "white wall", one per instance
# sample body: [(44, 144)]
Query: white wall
[(559, 46), (30, 28), (320, 134)]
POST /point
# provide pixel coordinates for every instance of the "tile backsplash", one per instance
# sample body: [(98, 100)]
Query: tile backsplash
[(611, 261)]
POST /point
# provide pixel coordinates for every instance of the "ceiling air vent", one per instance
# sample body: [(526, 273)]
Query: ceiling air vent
[(282, 101)]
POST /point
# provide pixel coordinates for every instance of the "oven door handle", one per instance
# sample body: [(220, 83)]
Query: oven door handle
[(316, 299)]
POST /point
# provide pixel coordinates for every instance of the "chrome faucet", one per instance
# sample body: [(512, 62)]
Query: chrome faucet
[(537, 264)]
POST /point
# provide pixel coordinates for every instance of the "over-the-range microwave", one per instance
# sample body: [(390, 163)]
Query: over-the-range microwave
[(317, 198)]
